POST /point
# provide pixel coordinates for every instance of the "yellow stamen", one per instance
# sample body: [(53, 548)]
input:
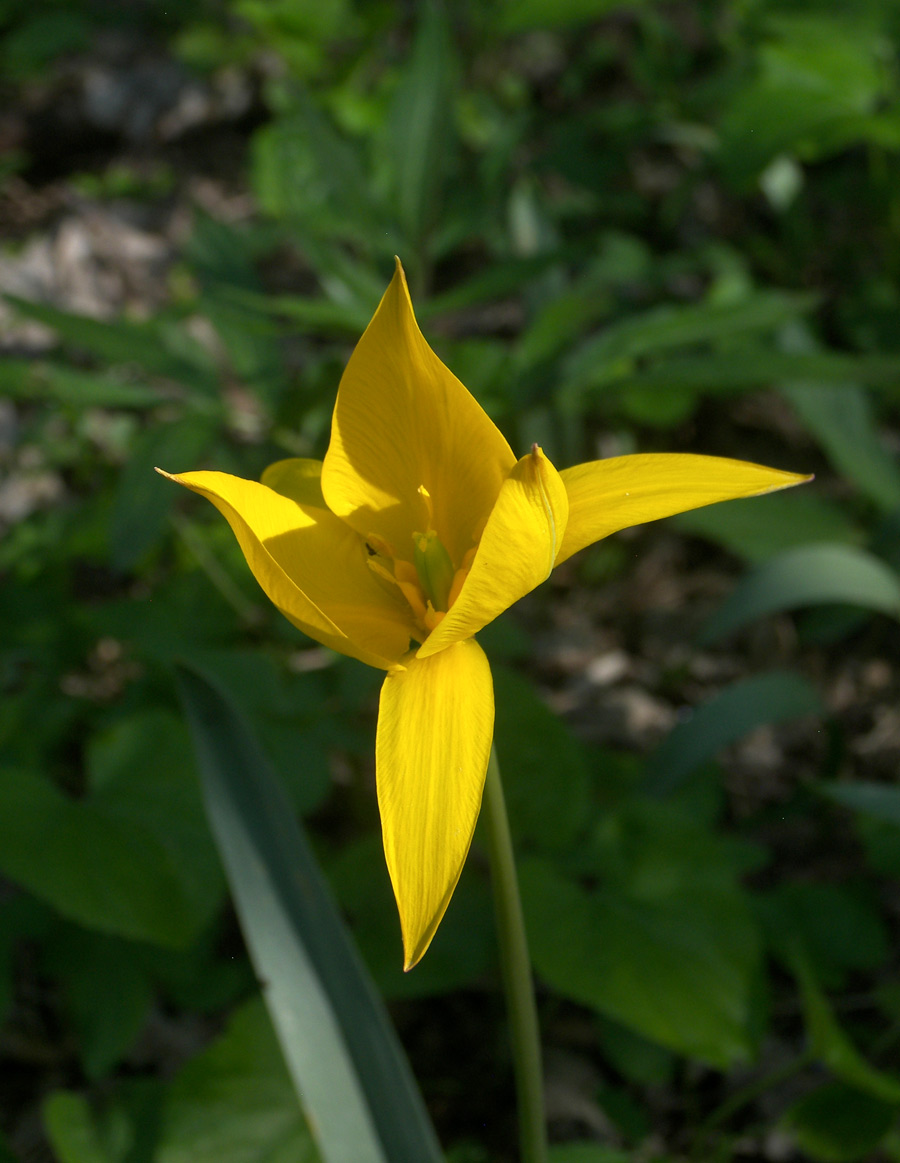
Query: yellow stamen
[(458, 578), (376, 544), (381, 570), (426, 497), (433, 617)]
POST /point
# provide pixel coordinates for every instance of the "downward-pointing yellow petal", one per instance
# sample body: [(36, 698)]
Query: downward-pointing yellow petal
[(435, 724), (613, 494)]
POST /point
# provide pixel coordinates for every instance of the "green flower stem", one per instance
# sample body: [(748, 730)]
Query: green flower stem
[(515, 967)]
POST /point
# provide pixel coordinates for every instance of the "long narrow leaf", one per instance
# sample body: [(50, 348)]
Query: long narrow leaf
[(343, 1055), (808, 576), (735, 711)]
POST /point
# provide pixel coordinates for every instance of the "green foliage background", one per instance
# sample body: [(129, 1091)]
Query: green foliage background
[(622, 222)]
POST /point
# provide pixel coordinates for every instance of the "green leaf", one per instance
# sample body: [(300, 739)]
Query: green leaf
[(678, 968), (143, 499), (840, 926), (829, 1043), (807, 576), (420, 123), (757, 528), (30, 379), (164, 352), (880, 800), (586, 1153), (665, 328), (753, 367), (234, 1102), (547, 783), (71, 1129), (838, 1124), (141, 771), (109, 874), (728, 716), (518, 15), (841, 419), (464, 946), (107, 993), (341, 1051)]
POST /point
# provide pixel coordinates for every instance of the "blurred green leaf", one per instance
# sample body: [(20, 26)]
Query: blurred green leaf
[(143, 499), (307, 173), (31, 380), (807, 576), (72, 1130), (107, 991), (612, 354), (356, 1086), (234, 1102), (586, 1153), (110, 874), (152, 345), (728, 716), (819, 75), (828, 1042), (840, 926), (677, 968), (546, 782), (842, 420), (518, 15), (463, 948), (880, 800), (757, 528), (837, 1124), (420, 123), (140, 771), (752, 367)]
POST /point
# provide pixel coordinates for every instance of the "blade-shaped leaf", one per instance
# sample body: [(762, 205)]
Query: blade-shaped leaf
[(343, 1056), (811, 575), (841, 418), (880, 800), (829, 1043), (420, 122), (731, 714)]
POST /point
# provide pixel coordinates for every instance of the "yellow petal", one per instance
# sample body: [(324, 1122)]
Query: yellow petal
[(309, 563), (613, 494), (516, 552), (435, 725), (403, 420)]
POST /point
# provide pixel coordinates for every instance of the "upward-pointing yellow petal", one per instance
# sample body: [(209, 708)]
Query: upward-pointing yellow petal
[(403, 422), (516, 552), (435, 724)]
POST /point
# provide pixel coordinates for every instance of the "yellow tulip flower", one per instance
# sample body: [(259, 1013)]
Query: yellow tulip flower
[(418, 528)]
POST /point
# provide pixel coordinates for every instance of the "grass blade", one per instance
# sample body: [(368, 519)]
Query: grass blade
[(810, 575), (342, 1053), (729, 716)]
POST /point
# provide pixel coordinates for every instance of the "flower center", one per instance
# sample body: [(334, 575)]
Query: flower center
[(430, 583), (434, 568)]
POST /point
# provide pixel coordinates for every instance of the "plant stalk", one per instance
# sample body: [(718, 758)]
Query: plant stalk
[(515, 968)]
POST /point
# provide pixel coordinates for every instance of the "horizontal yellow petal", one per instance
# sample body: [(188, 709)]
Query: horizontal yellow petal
[(613, 494), (309, 563), (435, 725), (403, 420), (516, 553)]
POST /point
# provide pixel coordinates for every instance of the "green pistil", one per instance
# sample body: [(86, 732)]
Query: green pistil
[(434, 567)]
